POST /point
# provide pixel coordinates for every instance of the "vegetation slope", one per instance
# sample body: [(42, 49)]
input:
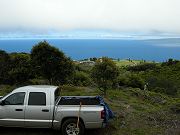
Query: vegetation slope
[(143, 95)]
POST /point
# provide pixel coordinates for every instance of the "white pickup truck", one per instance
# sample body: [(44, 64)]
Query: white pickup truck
[(41, 107)]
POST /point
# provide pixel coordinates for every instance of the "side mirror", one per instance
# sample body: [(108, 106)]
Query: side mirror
[(2, 103)]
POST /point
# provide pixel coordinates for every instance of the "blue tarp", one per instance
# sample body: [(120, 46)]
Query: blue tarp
[(109, 113)]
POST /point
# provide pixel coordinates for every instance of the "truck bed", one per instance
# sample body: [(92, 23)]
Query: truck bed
[(90, 111)]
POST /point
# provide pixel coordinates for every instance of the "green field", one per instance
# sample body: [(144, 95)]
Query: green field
[(137, 113), (123, 63)]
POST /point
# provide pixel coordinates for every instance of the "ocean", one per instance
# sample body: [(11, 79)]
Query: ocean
[(77, 49)]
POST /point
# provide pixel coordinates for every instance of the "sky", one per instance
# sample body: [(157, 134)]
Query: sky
[(90, 18)]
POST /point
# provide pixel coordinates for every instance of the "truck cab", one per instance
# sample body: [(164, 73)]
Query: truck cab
[(29, 106)]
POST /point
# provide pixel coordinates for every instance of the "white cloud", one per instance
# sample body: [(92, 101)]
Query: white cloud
[(116, 15)]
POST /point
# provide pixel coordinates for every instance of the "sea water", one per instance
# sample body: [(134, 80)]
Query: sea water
[(79, 49)]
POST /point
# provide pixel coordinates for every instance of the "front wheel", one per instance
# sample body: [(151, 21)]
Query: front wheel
[(69, 127)]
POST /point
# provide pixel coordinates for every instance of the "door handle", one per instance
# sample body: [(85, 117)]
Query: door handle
[(45, 110), (18, 110)]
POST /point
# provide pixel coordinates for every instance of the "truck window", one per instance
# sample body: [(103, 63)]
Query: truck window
[(37, 99), (15, 99)]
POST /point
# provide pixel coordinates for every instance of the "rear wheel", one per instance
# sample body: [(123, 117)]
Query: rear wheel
[(69, 127)]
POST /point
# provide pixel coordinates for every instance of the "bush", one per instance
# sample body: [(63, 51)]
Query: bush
[(163, 85), (142, 67), (20, 70), (123, 81), (131, 80), (81, 79), (4, 67), (135, 81)]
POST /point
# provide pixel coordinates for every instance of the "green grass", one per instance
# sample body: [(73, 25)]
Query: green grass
[(123, 63), (137, 113)]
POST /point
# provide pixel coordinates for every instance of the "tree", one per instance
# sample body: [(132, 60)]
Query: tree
[(105, 73), (4, 66), (93, 59), (20, 70), (170, 62), (51, 63)]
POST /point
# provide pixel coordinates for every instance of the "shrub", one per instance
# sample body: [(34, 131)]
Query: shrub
[(131, 80), (135, 81), (142, 67), (163, 85), (4, 66), (81, 79), (20, 70)]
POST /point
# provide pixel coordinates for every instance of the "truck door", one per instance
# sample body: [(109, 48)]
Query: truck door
[(37, 113), (12, 111)]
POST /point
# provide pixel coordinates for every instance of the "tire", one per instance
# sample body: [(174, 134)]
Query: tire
[(69, 127)]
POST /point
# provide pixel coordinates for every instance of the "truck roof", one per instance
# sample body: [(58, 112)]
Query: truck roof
[(38, 87)]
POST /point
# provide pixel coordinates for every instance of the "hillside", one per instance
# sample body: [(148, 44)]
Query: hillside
[(137, 113)]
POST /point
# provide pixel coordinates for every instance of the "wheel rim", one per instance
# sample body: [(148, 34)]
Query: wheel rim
[(71, 129)]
